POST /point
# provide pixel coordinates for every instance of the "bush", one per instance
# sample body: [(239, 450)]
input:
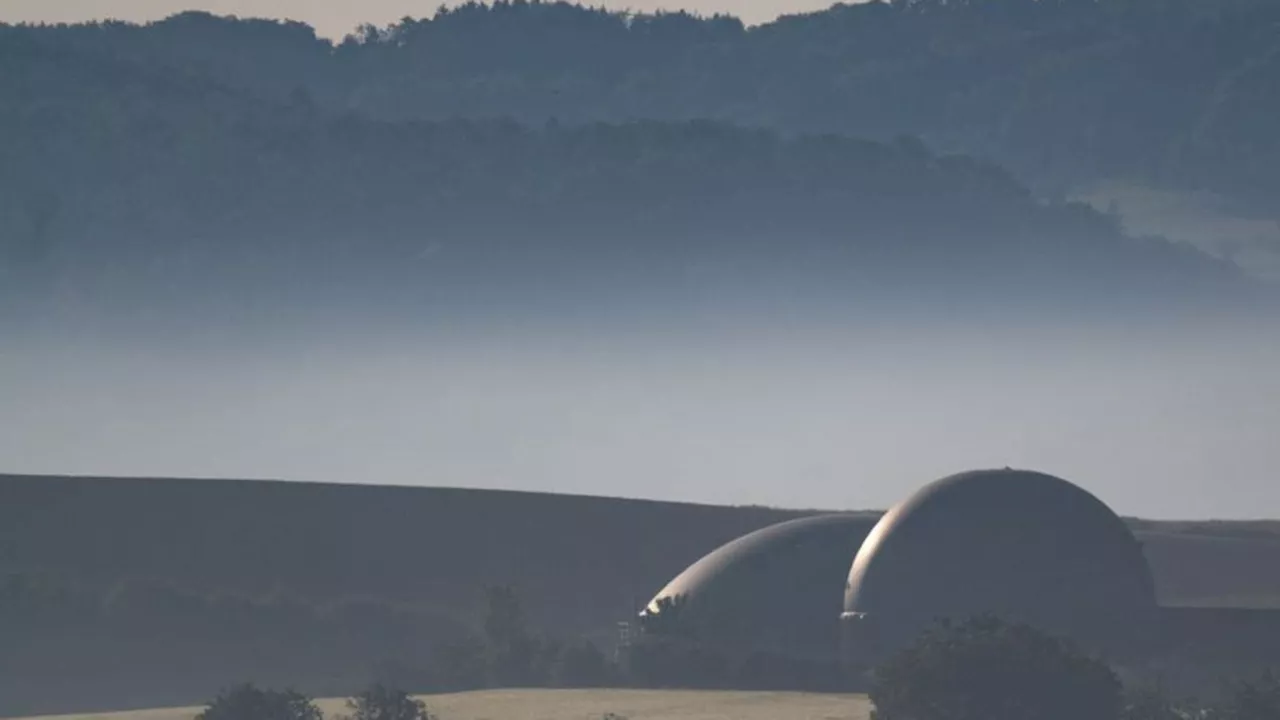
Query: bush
[(247, 702), (1154, 704), (774, 671), (383, 703), (1253, 700), (986, 669), (666, 662), (583, 666), (515, 656), (460, 665)]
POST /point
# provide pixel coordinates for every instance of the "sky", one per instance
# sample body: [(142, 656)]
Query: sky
[(335, 19), (1176, 426)]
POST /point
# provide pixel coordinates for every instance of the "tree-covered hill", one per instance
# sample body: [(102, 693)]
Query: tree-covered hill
[(1169, 92), (152, 184)]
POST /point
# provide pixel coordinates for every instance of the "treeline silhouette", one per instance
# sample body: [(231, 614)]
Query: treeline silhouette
[(959, 669), (1174, 92), (71, 647), (74, 647), (434, 545), (990, 667), (143, 165), (249, 702)]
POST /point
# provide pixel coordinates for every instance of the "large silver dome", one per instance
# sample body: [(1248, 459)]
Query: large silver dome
[(1023, 545)]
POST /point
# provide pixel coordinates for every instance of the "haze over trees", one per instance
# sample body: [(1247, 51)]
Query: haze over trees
[(1167, 91), (987, 668), (199, 159), (379, 702), (249, 702)]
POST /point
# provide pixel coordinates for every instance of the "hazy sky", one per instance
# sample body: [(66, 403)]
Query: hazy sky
[(1181, 426), (335, 19)]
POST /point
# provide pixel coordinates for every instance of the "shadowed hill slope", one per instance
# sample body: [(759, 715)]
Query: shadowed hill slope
[(579, 562)]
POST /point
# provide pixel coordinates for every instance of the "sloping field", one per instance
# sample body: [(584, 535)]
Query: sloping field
[(1214, 567), (440, 545), (593, 705)]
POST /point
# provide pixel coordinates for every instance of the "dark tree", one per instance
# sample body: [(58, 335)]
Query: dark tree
[(582, 666), (987, 669), (380, 702), (248, 702), (513, 651), (1153, 703), (1257, 699), (671, 662), (460, 665), (504, 622)]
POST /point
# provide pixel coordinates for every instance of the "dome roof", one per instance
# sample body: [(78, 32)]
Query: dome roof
[(777, 589), (1021, 544)]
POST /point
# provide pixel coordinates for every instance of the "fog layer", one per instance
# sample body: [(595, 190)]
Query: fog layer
[(1160, 422)]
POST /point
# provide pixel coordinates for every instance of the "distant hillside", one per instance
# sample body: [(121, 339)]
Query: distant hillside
[(150, 190), (1178, 93), (580, 562)]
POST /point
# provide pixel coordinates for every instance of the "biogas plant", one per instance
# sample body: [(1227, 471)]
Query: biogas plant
[(850, 589)]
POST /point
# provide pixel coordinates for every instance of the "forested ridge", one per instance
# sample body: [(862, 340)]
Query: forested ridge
[(488, 145), (1162, 90)]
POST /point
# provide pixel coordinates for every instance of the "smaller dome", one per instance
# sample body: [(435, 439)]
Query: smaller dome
[(774, 590)]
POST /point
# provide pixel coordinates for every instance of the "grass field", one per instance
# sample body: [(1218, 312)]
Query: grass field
[(594, 705)]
